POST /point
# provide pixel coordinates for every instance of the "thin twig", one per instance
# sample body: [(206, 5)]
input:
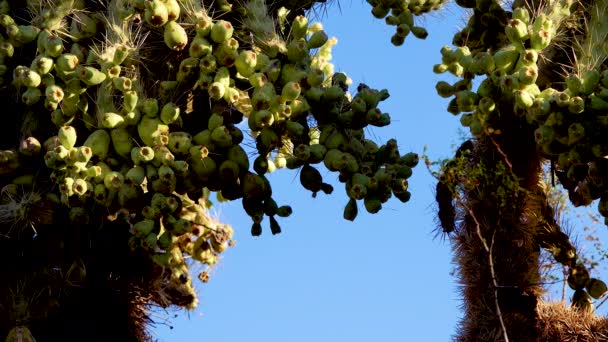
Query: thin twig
[(492, 273), (503, 154)]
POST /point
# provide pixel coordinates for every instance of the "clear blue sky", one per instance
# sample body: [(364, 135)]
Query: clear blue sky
[(383, 277)]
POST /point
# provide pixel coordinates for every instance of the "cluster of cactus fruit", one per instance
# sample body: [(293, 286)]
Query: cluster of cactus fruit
[(400, 13), (147, 139), (506, 49)]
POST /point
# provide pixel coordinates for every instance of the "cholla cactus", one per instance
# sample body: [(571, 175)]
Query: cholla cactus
[(130, 116)]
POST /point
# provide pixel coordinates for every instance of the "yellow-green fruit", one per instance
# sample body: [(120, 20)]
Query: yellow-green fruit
[(136, 175), (169, 113), (151, 128), (506, 57), (67, 136), (246, 62), (175, 35), (179, 142), (596, 288), (142, 154), (221, 31), (122, 142), (156, 13), (111, 120), (99, 142), (129, 102)]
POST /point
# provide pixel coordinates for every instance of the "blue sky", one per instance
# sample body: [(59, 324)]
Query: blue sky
[(382, 278)]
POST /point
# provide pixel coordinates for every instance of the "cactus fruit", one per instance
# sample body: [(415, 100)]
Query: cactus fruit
[(143, 142)]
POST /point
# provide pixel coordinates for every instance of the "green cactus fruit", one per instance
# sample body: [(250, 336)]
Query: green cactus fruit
[(30, 147), (275, 228), (217, 90), (113, 180), (229, 170), (350, 210), (582, 301), (151, 128), (291, 91), (200, 47), (24, 76), (169, 113), (52, 45), (254, 186), (299, 27), (517, 31), (523, 98), (284, 211), (419, 32), (372, 204), (544, 135), (246, 62), (444, 89), (156, 13), (122, 142), (140, 155), (221, 137), (122, 83), (99, 142), (260, 119), (79, 187), (175, 36), (521, 14), (257, 79), (144, 228), (129, 102), (317, 39), (596, 103), (208, 64), (596, 288), (66, 64), (136, 175), (357, 191), (576, 132), (268, 139), (578, 277), (466, 100), (67, 136), (506, 58), (166, 173), (83, 26), (238, 155), (590, 80), (302, 152), (576, 105), (221, 31), (83, 154), (41, 64), (179, 142), (260, 165), (187, 69), (112, 120), (528, 75), (311, 180), (66, 187), (297, 51), (162, 156), (204, 167), (150, 107), (31, 96), (256, 229)]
